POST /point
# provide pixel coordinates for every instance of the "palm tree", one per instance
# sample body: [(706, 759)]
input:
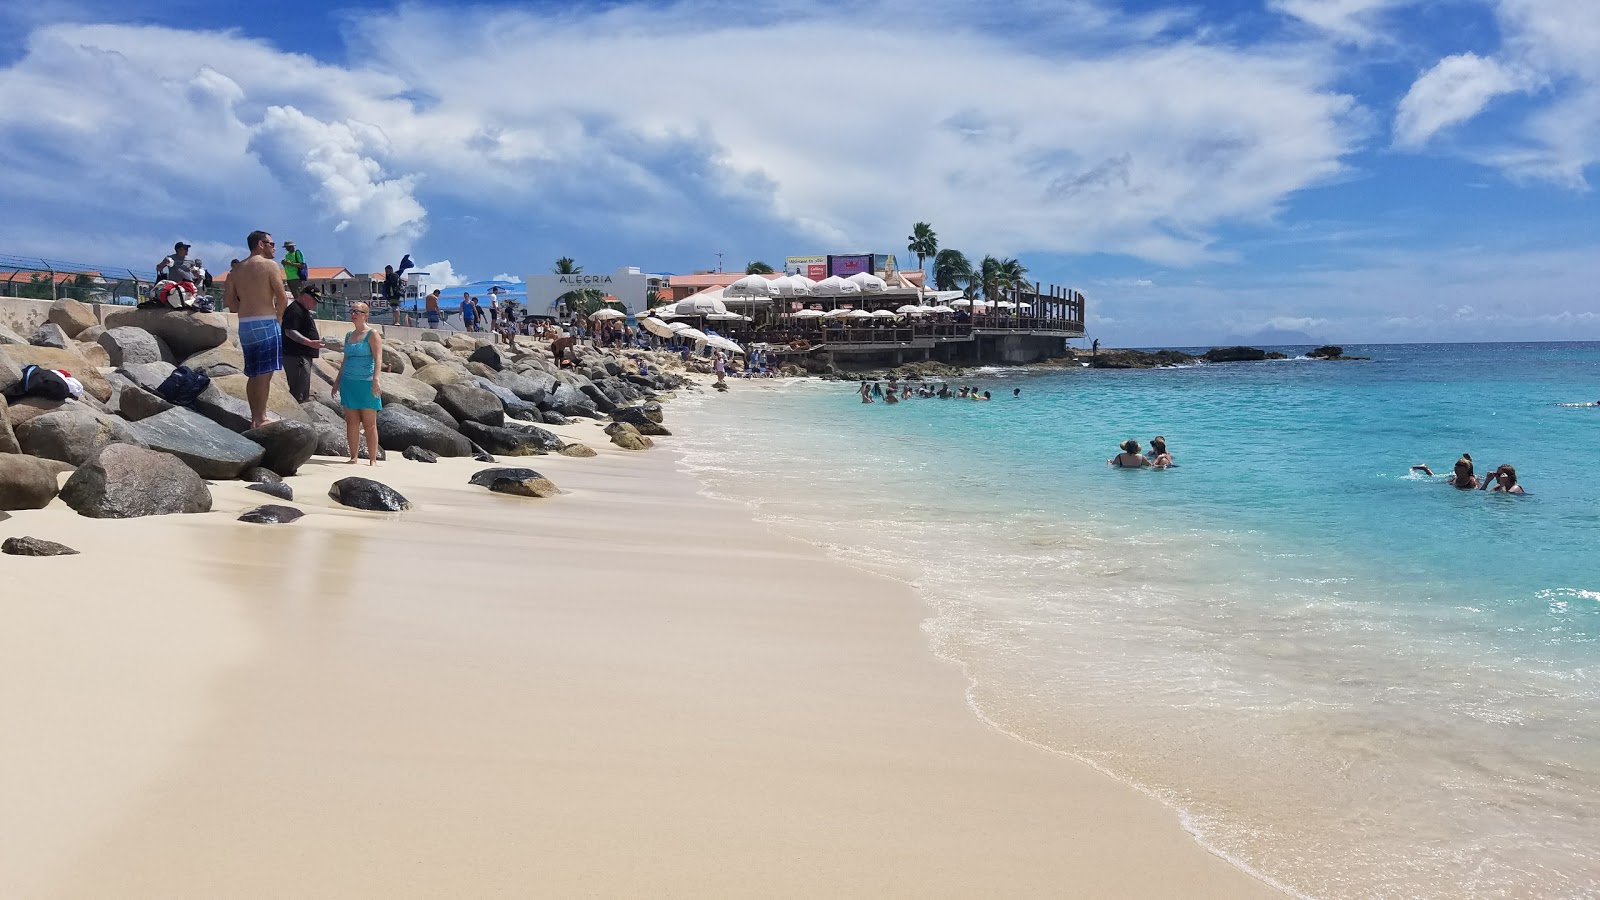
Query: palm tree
[(923, 242), (951, 271), (1014, 275), (991, 278), (757, 267), (583, 301)]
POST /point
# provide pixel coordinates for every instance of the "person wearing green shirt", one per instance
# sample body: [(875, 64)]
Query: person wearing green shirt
[(294, 268)]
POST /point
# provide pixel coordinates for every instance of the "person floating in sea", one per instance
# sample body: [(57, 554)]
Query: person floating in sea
[(1016, 393), (1130, 457), (1158, 455), (255, 291), (1503, 480), (1462, 477)]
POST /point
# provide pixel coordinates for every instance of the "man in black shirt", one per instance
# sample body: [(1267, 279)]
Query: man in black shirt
[(301, 343)]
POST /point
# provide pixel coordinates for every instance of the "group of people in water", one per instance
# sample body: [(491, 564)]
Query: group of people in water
[(873, 391), (1503, 480), (1156, 457)]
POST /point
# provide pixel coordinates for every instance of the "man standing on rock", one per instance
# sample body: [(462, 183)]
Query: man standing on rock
[(301, 343), (255, 291)]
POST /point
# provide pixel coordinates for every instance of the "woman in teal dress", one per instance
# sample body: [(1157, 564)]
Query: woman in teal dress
[(358, 384)]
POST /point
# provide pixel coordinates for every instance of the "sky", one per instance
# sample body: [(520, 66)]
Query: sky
[(1350, 170)]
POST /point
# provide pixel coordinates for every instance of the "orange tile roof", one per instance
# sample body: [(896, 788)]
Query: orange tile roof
[(24, 276)]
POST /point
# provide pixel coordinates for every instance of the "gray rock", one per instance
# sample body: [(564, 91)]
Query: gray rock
[(405, 390), (271, 514), (94, 384), (11, 338), (570, 402), (259, 475), (147, 375), (399, 428), (32, 546), (577, 450), (488, 355), (10, 373), (468, 403), (555, 418), (627, 437), (320, 413), (218, 361), (209, 449), (502, 441), (515, 407), (431, 337), (130, 346), (24, 484), (134, 403), (72, 317), (289, 444), (364, 493), (479, 456), (598, 397), (223, 408), (276, 489), (73, 434), (89, 335), (640, 420), (8, 437), (532, 387), (516, 481), (333, 440), (50, 335), (417, 454), (126, 482), (185, 333)]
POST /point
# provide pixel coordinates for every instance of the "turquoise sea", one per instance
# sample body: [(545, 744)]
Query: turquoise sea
[(1349, 679)]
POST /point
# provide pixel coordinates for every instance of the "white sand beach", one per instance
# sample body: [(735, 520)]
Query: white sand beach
[(627, 690)]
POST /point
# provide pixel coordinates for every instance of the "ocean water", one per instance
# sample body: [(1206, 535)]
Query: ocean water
[(1351, 680)]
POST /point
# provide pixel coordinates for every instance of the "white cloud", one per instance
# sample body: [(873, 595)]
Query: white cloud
[(1351, 21), (1293, 323), (442, 275), (1453, 91), (506, 276)]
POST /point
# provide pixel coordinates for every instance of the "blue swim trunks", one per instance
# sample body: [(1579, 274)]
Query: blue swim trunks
[(262, 342)]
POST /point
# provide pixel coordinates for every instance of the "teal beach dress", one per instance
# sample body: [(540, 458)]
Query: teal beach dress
[(355, 383)]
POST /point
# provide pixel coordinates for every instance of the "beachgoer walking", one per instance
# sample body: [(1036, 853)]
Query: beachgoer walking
[(357, 387), (431, 308), (720, 366), (301, 343), (1130, 457), (255, 291), (295, 272), (469, 313), (1503, 480)]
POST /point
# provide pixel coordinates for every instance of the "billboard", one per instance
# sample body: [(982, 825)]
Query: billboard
[(883, 264), (626, 284), (812, 267), (845, 266)]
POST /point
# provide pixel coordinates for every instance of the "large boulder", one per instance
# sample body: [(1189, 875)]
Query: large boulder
[(221, 407), (73, 434), (72, 317), (395, 362), (218, 361), (94, 384), (405, 390), (502, 441), (271, 514), (627, 437), (130, 346), (24, 484), (185, 333), (640, 420), (1235, 354), (32, 546), (8, 437), (96, 355), (289, 444), (135, 403), (469, 403), (50, 335), (10, 373), (570, 402), (279, 401), (516, 481), (24, 408), (461, 342), (212, 451), (515, 407), (334, 440), (126, 482), (488, 355), (533, 387), (147, 375), (438, 375), (400, 427), (9, 338), (364, 493), (544, 440), (89, 335), (598, 397)]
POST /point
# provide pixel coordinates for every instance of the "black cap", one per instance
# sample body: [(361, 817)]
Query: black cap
[(180, 246), (316, 294)]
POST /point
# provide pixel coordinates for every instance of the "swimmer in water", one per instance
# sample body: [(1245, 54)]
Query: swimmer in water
[(1580, 405), (1129, 458), (1461, 477), (1016, 393), (1158, 455), (866, 392), (1503, 481)]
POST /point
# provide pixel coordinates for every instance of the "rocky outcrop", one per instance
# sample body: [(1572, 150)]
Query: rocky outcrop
[(1239, 354), (218, 362), (289, 445), (641, 420), (32, 546), (130, 346), (627, 437), (571, 402), (534, 387), (134, 403), (73, 434), (515, 407), (364, 493), (271, 514), (280, 402), (126, 482), (516, 481), (489, 355), (24, 484), (185, 333), (50, 335), (399, 428), (469, 403), (72, 317), (211, 450), (502, 441)]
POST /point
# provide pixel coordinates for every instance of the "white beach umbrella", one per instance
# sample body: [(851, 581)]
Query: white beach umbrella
[(800, 281), (608, 313), (911, 310), (940, 309), (884, 314), (792, 286), (859, 314), (835, 287), (699, 306), (722, 343), (679, 326), (810, 314), (657, 327), (727, 317), (961, 302), (1028, 306), (868, 282), (693, 334), (1006, 304), (837, 313), (749, 286)]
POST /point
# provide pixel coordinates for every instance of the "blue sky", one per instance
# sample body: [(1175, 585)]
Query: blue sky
[(1357, 170)]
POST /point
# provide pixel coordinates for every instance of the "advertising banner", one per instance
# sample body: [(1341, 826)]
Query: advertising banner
[(845, 266), (812, 267)]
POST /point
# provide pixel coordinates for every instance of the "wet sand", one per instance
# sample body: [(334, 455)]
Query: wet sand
[(626, 690)]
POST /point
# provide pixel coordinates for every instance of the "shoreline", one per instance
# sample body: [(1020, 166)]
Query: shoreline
[(654, 695)]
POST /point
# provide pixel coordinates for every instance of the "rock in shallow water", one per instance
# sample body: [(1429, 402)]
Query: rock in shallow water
[(577, 450), (271, 514), (364, 493), (273, 488), (517, 481), (32, 546)]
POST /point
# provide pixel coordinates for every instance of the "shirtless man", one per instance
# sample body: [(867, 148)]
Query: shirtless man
[(255, 291), (431, 307)]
